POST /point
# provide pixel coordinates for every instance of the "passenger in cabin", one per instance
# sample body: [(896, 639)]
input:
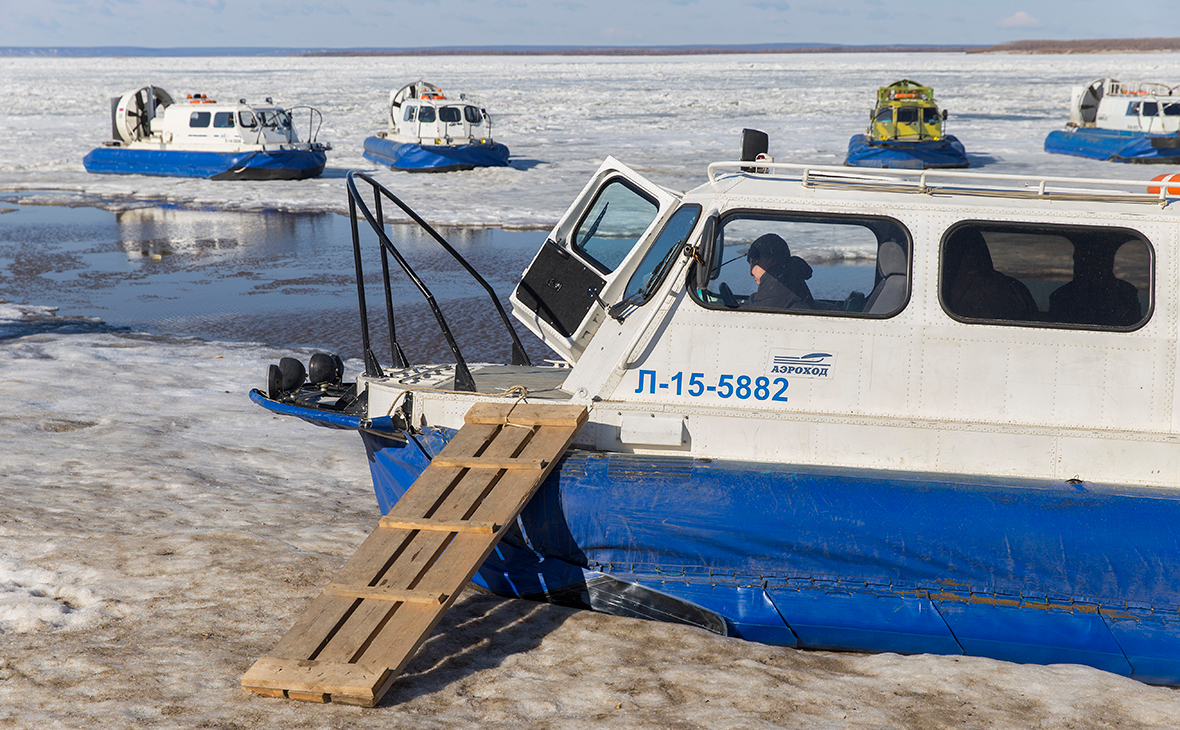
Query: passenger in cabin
[(781, 277), (973, 288), (1096, 295)]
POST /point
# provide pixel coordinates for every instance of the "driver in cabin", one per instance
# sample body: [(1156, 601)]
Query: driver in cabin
[(781, 277)]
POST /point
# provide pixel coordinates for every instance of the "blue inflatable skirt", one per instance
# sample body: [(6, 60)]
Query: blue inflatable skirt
[(946, 152), (1115, 145), (434, 158), (270, 165)]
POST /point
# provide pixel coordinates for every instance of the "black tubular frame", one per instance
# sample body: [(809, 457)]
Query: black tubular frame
[(376, 221)]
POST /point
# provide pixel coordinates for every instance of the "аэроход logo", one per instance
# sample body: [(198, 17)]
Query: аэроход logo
[(801, 363)]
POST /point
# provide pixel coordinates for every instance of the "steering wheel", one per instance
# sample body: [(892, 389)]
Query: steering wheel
[(727, 296)]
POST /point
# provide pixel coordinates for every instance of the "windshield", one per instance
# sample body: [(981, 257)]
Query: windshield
[(276, 119)]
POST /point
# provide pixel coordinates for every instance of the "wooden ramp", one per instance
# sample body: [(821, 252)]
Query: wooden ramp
[(362, 631)]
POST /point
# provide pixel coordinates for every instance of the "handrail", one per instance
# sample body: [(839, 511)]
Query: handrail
[(955, 182), (315, 120), (463, 378)]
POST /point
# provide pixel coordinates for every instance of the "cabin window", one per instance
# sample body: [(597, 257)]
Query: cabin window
[(247, 120), (613, 224), (930, 115), (1172, 109), (805, 264), (1133, 109), (199, 119), (450, 114), (426, 114), (1046, 276), (223, 120), (907, 114), (472, 115), (659, 258), (1151, 109), (409, 115), (885, 116)]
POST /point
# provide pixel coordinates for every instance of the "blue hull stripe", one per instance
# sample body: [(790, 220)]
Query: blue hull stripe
[(429, 158), (1115, 145), (1014, 569), (283, 164), (327, 419), (947, 152)]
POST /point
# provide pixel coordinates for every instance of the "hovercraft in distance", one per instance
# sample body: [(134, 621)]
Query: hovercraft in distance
[(153, 134), (906, 131), (429, 132), (1121, 122)]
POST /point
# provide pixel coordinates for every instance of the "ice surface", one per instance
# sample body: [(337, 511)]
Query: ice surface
[(158, 533), (561, 116)]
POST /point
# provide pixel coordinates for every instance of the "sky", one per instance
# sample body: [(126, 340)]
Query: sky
[(434, 23)]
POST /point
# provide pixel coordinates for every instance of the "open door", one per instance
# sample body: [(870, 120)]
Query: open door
[(585, 264)]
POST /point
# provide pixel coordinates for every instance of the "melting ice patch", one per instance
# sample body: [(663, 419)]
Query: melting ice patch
[(35, 599)]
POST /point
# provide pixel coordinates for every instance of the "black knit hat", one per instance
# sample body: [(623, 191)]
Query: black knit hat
[(768, 251)]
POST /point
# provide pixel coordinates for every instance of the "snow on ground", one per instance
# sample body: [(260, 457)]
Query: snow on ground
[(158, 533), (667, 117)]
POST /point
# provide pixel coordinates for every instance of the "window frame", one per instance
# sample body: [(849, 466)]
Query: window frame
[(804, 217), (200, 119), (1059, 229)]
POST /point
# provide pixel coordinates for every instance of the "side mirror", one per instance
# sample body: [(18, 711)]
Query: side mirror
[(944, 115), (704, 257)]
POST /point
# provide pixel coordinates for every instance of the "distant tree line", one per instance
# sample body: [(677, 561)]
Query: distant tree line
[(1118, 45)]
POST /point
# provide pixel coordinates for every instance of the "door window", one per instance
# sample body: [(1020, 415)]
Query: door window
[(450, 114), (808, 265), (426, 114), (611, 228)]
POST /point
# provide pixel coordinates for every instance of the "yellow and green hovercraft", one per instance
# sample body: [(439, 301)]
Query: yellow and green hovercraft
[(906, 130)]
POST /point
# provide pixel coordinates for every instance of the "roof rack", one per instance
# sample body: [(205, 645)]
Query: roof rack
[(947, 182)]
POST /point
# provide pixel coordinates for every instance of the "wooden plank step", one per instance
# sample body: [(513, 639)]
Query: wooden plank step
[(384, 594), (369, 621), (440, 525), (483, 462)]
